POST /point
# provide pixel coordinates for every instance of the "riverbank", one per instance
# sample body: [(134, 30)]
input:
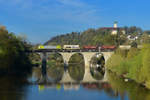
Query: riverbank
[(13, 57), (133, 64)]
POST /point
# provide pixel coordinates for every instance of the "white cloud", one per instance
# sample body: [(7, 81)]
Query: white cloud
[(56, 12), (65, 10), (75, 11)]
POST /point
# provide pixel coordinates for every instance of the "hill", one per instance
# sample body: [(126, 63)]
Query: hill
[(98, 36)]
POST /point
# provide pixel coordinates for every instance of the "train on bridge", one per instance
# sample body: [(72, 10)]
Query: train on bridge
[(77, 47)]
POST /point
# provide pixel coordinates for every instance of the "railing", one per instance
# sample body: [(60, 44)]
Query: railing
[(66, 50)]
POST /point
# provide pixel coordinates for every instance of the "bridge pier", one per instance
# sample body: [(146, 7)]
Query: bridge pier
[(67, 78), (87, 75), (87, 57), (66, 57), (44, 63)]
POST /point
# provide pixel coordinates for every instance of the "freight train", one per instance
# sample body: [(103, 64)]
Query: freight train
[(67, 47), (77, 47)]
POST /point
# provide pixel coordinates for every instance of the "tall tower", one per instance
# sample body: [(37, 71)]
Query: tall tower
[(115, 31), (115, 24)]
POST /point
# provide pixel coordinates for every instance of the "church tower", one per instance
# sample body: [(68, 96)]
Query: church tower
[(115, 24), (115, 31)]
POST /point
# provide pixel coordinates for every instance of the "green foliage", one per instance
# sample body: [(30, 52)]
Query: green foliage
[(55, 66), (134, 45), (96, 37), (122, 53), (88, 37), (145, 38), (76, 67), (35, 59), (135, 66), (132, 53), (13, 56), (132, 89), (117, 64)]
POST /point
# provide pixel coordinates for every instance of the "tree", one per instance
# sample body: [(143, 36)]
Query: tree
[(13, 56)]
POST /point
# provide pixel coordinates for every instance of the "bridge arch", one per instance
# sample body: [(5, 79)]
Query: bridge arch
[(87, 57), (76, 66), (55, 67), (97, 66)]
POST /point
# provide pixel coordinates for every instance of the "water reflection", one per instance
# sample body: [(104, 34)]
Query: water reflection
[(133, 90), (97, 66), (55, 68), (13, 88), (115, 88), (76, 67)]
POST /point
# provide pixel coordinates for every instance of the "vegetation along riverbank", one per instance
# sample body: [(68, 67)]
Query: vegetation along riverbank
[(133, 64), (13, 57)]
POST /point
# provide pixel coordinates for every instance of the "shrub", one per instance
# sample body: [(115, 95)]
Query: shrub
[(132, 53), (134, 45), (122, 53)]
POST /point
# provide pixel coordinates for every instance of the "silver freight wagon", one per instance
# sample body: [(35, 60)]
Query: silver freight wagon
[(50, 47), (71, 47)]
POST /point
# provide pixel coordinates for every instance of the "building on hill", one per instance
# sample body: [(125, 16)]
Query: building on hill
[(115, 29)]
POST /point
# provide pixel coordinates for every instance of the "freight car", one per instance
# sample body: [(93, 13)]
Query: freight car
[(108, 48), (71, 47), (90, 48)]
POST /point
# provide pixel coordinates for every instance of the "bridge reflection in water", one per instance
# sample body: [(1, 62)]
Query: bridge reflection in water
[(65, 78), (114, 87), (67, 83), (91, 69)]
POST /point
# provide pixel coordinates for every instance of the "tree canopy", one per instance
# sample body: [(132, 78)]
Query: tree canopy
[(13, 58)]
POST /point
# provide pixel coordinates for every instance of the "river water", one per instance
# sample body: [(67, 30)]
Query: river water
[(12, 88)]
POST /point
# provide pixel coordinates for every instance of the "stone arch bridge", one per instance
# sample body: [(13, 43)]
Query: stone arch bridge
[(87, 58), (87, 55)]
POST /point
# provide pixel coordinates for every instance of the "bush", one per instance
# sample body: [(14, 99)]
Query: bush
[(122, 53), (134, 45), (132, 53), (115, 64), (136, 66)]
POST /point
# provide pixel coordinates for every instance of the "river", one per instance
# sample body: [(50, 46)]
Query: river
[(12, 88)]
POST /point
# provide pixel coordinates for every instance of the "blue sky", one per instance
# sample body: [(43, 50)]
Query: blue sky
[(40, 20)]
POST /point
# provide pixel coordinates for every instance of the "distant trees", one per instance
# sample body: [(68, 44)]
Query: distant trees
[(97, 37), (133, 30), (147, 32), (145, 38)]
